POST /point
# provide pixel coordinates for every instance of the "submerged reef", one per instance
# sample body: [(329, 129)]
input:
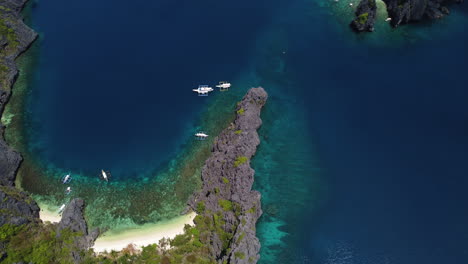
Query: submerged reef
[(400, 12)]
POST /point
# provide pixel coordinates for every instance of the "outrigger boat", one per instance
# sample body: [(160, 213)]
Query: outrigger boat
[(203, 90), (105, 175), (66, 179), (60, 210), (201, 135), (223, 86)]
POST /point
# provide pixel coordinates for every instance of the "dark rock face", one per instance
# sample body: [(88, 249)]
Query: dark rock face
[(73, 220), (24, 36), (406, 11), (227, 176), (9, 163), (365, 16), (16, 207)]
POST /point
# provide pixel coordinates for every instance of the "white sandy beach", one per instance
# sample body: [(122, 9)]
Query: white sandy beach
[(144, 235), (48, 215), (141, 236)]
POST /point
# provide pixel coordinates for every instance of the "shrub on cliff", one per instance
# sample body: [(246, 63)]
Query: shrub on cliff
[(40, 244), (240, 160)]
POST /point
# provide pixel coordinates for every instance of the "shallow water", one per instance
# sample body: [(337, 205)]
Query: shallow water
[(363, 143)]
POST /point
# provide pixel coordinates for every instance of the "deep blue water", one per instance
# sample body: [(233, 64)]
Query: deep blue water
[(113, 89), (364, 146)]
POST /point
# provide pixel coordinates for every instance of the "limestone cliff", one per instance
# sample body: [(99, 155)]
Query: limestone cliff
[(227, 193), (15, 38), (401, 12), (16, 207)]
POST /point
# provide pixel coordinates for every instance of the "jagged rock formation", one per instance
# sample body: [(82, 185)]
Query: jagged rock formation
[(406, 11), (227, 193), (73, 220), (9, 163), (15, 38), (16, 207), (365, 16)]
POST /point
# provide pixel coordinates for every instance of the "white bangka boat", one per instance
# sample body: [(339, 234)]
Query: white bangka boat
[(66, 179), (201, 135), (105, 175), (223, 86), (203, 90), (60, 210)]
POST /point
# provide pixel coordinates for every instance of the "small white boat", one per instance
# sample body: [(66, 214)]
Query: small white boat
[(388, 19), (66, 179), (60, 210), (223, 86), (68, 190), (201, 135), (104, 176), (203, 90)]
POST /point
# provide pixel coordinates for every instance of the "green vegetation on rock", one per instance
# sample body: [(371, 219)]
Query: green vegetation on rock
[(39, 244), (362, 18), (225, 204), (239, 255), (200, 207), (240, 160), (252, 210), (7, 231), (225, 180), (241, 237), (241, 111), (238, 132)]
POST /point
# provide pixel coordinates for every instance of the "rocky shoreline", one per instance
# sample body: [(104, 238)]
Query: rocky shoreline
[(400, 12), (17, 208), (227, 194), (15, 39)]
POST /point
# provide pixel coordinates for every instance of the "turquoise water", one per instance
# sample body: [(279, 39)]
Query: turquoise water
[(363, 144)]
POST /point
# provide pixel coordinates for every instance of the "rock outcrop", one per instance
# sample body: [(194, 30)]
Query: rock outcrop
[(9, 163), (15, 38), (16, 207), (73, 220), (406, 11), (402, 12), (227, 192), (365, 16)]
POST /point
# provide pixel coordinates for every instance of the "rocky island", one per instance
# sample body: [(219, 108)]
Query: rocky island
[(400, 12), (226, 204)]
